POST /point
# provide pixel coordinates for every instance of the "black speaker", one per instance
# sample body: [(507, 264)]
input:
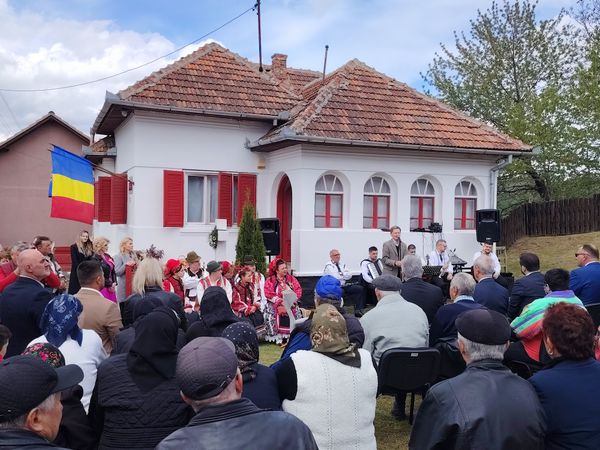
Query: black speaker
[(488, 225), (270, 232)]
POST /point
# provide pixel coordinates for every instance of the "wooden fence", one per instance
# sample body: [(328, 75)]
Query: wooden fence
[(555, 218)]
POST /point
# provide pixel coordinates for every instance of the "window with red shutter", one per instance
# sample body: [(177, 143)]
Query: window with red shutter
[(104, 196), (173, 198), (118, 199), (246, 192), (225, 197)]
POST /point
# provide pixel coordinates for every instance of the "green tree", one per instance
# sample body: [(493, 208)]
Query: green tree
[(250, 241), (517, 73)]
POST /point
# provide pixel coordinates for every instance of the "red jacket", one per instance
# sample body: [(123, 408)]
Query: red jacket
[(243, 299), (174, 285)]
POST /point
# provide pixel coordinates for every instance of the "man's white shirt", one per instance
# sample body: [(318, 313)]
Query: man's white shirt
[(437, 259), (343, 273)]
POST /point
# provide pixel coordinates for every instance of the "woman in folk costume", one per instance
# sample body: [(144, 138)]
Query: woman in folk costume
[(215, 278), (257, 280), (81, 250), (173, 278), (245, 304), (278, 282)]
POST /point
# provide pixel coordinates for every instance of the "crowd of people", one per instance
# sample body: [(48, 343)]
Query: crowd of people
[(132, 351)]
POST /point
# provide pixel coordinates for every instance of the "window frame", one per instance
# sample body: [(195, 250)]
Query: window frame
[(328, 195), (374, 217), (465, 199), (421, 197), (206, 201)]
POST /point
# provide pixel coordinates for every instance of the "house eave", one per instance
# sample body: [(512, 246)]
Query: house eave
[(278, 142), (115, 110)]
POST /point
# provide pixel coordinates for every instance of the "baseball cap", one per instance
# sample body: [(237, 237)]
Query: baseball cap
[(205, 367), (26, 381)]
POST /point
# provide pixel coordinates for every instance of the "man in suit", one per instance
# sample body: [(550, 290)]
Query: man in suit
[(99, 313), (487, 292), (443, 326), (526, 289), (425, 295), (585, 281), (23, 302), (392, 253)]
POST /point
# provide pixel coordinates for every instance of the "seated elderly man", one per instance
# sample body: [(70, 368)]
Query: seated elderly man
[(327, 290), (211, 383), (487, 292), (425, 295), (30, 407), (394, 322), (487, 406)]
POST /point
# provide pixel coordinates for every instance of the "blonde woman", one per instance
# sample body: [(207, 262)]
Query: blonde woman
[(81, 250), (125, 258), (148, 282), (108, 267)]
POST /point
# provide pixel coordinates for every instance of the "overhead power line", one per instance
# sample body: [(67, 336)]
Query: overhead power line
[(132, 68)]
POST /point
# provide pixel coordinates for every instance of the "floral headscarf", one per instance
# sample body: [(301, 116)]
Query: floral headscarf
[(329, 336), (47, 353), (59, 320), (244, 338)]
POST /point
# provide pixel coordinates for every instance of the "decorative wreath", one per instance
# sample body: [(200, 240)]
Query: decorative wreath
[(213, 237)]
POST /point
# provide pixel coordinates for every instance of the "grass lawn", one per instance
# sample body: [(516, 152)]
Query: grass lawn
[(390, 433)]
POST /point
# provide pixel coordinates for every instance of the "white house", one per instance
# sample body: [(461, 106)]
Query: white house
[(335, 159)]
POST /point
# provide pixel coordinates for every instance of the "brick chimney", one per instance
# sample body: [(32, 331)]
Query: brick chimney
[(279, 65)]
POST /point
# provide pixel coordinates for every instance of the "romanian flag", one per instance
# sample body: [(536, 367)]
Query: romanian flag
[(72, 187)]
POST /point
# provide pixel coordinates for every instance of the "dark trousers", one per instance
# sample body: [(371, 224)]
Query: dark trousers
[(354, 294), (443, 284)]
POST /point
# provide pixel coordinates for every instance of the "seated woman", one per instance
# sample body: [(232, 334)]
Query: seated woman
[(75, 430), (276, 320), (136, 401), (568, 387), (343, 418), (328, 290), (260, 382), (81, 347), (148, 280), (245, 304), (215, 315), (528, 326)]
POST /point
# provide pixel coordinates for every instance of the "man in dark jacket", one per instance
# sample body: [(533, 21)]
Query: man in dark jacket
[(30, 408), (526, 289), (488, 292), (210, 381), (23, 302), (425, 295), (486, 406)]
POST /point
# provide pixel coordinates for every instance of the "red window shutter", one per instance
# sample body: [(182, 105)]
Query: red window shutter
[(225, 196), (118, 199), (104, 199), (96, 199), (246, 192), (173, 198)]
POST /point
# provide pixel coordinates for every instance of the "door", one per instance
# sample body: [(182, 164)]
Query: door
[(284, 213)]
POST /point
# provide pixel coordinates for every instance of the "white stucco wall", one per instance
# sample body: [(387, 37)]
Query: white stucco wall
[(149, 143)]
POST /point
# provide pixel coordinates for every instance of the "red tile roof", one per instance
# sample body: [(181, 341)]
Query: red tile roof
[(213, 78), (354, 104), (357, 103)]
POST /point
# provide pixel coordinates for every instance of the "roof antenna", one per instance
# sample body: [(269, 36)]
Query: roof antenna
[(260, 66), (325, 61)]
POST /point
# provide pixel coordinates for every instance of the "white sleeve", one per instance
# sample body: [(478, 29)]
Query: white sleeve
[(330, 269), (190, 282), (228, 290), (364, 271), (497, 268), (347, 275)]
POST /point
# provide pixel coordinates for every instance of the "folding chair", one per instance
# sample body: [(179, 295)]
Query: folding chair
[(407, 370)]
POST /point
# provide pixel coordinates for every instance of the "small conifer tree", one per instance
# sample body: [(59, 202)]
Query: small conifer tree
[(250, 240)]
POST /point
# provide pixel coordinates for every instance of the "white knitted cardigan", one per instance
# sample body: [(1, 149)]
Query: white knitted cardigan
[(336, 401)]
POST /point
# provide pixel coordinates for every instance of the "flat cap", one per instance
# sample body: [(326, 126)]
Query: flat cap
[(213, 266), (387, 283), (484, 326), (205, 367)]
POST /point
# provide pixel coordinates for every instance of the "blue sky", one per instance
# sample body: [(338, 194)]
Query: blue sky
[(47, 43)]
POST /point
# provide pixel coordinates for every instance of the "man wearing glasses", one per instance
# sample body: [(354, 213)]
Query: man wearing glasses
[(585, 281), (352, 292)]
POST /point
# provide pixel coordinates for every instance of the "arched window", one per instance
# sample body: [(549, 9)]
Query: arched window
[(376, 203), (329, 197), (465, 204), (422, 197)]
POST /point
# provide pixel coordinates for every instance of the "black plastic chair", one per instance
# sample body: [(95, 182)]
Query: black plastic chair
[(407, 370), (594, 310), (451, 361)]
